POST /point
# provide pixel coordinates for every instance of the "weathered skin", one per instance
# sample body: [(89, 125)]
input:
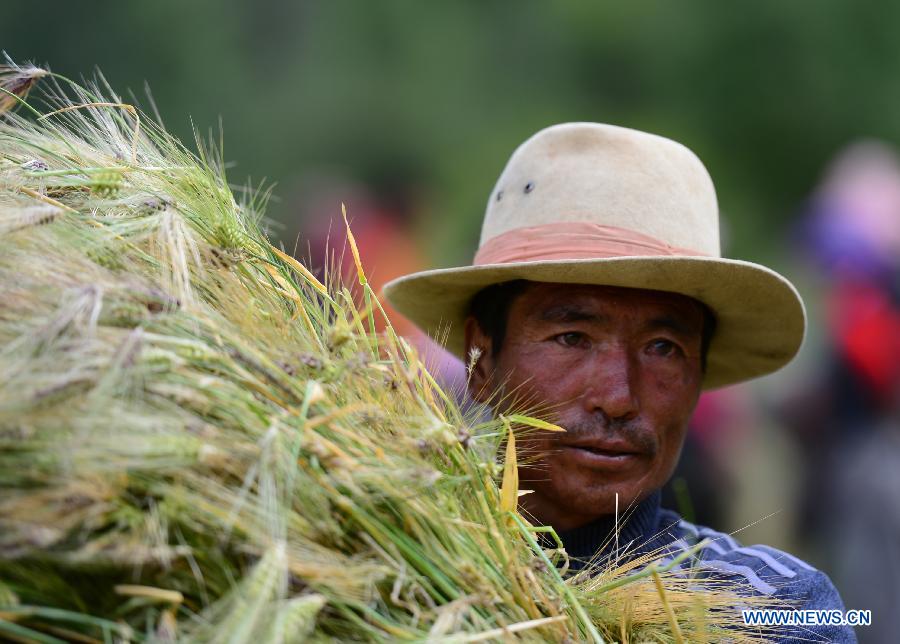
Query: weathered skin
[(619, 368)]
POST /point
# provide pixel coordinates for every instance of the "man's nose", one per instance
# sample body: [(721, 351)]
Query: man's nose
[(611, 389)]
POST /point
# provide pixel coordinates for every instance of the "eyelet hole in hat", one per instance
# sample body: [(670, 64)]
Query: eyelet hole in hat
[(499, 195), (529, 187)]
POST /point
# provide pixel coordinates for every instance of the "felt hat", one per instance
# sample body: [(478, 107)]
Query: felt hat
[(590, 203)]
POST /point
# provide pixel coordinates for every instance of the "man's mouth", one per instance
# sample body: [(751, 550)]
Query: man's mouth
[(603, 454)]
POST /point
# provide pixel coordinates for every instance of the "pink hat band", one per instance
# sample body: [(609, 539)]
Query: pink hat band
[(573, 240)]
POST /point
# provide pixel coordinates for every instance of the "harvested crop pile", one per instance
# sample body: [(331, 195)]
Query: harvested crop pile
[(199, 441)]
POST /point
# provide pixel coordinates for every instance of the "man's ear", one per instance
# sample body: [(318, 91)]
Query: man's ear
[(479, 361)]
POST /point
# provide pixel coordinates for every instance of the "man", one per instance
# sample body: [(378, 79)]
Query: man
[(598, 294)]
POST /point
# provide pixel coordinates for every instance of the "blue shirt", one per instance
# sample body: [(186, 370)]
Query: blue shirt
[(765, 570)]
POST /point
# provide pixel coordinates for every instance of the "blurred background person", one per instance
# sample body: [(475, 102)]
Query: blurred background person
[(845, 415)]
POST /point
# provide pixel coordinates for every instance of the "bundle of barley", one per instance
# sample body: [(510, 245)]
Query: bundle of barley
[(199, 441)]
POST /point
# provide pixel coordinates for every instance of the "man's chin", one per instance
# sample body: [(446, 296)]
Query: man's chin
[(587, 488), (601, 504), (575, 505)]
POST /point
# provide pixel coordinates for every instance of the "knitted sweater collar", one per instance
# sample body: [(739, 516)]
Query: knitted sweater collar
[(637, 529)]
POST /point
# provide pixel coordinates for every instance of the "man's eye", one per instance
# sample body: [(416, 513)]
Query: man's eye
[(570, 339), (663, 348)]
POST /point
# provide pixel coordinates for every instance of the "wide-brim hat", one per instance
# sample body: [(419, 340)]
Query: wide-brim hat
[(589, 203)]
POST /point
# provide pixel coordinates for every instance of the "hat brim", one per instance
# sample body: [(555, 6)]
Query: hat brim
[(760, 316)]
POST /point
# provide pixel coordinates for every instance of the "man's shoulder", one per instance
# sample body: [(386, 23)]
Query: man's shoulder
[(768, 570)]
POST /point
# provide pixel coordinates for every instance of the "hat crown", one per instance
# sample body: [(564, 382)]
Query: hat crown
[(611, 176)]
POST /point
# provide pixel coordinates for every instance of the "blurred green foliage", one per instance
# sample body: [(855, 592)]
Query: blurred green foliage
[(436, 95)]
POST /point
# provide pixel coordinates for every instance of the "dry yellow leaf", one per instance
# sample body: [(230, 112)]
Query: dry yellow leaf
[(534, 422), (509, 489), (300, 268), (353, 248)]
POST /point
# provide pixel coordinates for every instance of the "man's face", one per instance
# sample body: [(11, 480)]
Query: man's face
[(618, 368)]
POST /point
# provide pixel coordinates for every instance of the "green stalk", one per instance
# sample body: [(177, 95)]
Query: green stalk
[(567, 590), (371, 315), (27, 634)]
